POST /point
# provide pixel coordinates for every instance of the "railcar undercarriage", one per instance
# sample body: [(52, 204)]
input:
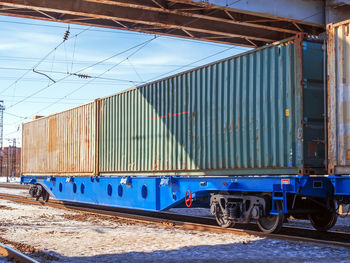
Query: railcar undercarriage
[(268, 200)]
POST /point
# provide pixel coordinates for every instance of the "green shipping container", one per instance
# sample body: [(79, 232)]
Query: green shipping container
[(257, 113)]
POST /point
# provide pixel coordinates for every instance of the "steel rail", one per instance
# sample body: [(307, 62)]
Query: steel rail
[(192, 222), (14, 186), (14, 255)]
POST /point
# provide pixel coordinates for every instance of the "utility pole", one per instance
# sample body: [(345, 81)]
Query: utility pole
[(2, 108)]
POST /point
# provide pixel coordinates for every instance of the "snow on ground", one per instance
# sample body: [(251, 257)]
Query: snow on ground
[(4, 179), (13, 191), (67, 236)]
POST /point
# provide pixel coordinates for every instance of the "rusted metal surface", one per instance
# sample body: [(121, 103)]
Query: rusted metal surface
[(257, 113), (339, 98), (61, 143), (221, 22), (36, 117)]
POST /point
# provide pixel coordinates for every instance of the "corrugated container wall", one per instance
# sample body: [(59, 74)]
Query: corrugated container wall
[(63, 143), (339, 98), (257, 113)]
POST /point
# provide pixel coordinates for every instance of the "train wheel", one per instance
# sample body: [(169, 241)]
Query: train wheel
[(272, 223), (45, 195), (221, 220), (32, 190), (38, 193), (324, 220)]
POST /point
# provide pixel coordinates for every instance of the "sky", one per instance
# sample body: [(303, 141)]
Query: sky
[(114, 60)]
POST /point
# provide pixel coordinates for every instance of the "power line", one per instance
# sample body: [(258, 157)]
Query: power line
[(14, 115), (43, 102), (64, 73), (109, 69), (139, 46), (39, 62), (102, 81), (49, 98), (136, 72), (148, 65), (77, 72), (188, 65), (7, 134)]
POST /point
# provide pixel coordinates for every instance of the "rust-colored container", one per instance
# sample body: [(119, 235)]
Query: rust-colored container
[(259, 113), (63, 143), (339, 98)]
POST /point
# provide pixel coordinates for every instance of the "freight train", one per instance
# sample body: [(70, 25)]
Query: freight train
[(246, 136)]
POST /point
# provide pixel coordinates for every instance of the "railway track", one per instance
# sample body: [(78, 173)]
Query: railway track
[(14, 186), (14, 255), (192, 222)]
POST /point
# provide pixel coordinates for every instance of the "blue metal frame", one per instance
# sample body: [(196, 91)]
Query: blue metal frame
[(162, 193), (341, 184)]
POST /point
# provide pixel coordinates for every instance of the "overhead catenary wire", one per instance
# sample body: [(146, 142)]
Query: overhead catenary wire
[(29, 70), (9, 133), (38, 63), (136, 72), (14, 115), (188, 65), (139, 47), (81, 70), (71, 68), (46, 98), (92, 79), (69, 73), (43, 102)]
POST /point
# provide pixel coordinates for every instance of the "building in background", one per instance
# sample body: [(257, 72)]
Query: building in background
[(11, 161)]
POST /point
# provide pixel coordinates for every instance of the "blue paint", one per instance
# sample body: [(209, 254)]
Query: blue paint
[(341, 185), (162, 193)]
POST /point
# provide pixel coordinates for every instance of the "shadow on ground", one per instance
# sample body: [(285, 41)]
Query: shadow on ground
[(264, 250)]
